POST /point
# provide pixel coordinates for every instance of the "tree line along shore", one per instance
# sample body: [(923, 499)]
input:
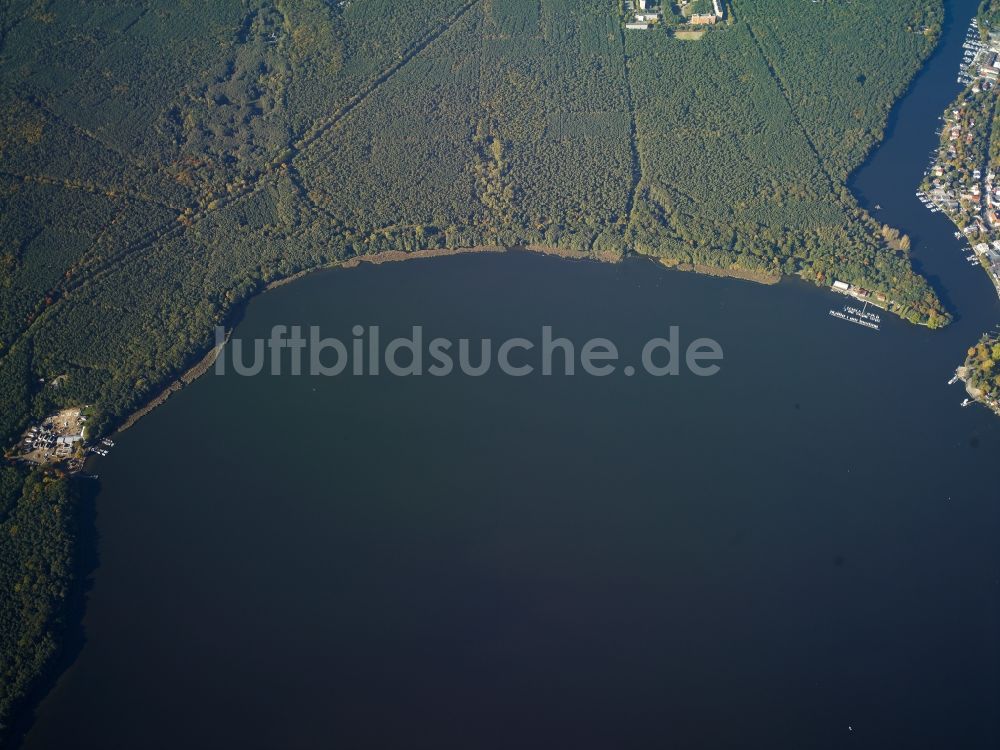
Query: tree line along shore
[(163, 164)]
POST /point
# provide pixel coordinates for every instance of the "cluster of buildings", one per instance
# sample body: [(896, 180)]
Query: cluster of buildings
[(59, 439), (992, 200), (955, 182), (708, 19), (642, 14), (989, 253), (954, 187), (46, 441), (876, 298), (960, 130), (646, 14), (990, 69), (981, 65)]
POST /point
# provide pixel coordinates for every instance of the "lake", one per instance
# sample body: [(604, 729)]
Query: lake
[(800, 551)]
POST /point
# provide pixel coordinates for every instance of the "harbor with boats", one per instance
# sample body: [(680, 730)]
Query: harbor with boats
[(853, 314), (962, 179)]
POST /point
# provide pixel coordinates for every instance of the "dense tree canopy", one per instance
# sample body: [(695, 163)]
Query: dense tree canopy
[(36, 572), (161, 162)]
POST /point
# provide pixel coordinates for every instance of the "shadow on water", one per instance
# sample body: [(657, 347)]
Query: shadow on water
[(73, 638)]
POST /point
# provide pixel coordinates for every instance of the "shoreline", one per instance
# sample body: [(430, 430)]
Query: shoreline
[(952, 20), (758, 277), (396, 256), (186, 378), (962, 202), (206, 362), (977, 396)]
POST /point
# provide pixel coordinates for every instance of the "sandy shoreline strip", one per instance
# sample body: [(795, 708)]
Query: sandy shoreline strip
[(758, 277), (203, 365), (393, 256)]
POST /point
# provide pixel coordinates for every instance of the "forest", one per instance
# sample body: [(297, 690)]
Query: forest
[(37, 536), (759, 197), (160, 163), (839, 66)]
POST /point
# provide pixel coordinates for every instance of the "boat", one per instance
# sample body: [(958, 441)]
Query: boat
[(953, 380), (966, 402)]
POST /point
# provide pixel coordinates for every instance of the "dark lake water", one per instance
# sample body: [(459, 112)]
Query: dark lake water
[(802, 551)]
